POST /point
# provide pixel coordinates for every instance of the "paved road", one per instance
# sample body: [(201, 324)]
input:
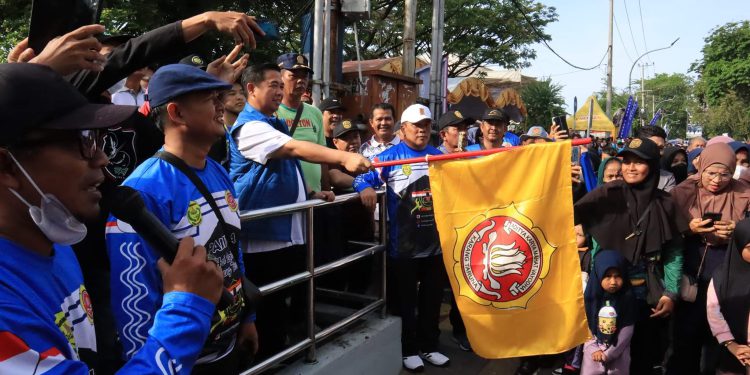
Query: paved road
[(467, 363)]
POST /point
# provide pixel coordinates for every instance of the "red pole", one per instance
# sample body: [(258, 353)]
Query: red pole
[(461, 155)]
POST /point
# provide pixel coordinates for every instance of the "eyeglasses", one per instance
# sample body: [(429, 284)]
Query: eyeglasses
[(89, 141), (713, 175)]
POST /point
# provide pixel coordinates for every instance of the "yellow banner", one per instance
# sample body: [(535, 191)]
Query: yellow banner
[(506, 228)]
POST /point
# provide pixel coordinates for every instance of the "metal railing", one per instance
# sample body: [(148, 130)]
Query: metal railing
[(309, 344)]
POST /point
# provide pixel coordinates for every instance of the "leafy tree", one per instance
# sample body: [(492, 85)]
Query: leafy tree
[(543, 100), (722, 92), (725, 66), (672, 93), (477, 32), (619, 99)]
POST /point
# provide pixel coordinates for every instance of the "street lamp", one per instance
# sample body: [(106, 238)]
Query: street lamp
[(630, 75)]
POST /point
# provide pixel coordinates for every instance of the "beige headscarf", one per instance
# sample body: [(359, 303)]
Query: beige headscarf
[(732, 201)]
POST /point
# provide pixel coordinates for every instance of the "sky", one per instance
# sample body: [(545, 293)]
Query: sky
[(580, 36)]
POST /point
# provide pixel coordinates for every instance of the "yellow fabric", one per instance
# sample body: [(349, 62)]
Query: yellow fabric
[(471, 87), (525, 195), (601, 122), (510, 97)]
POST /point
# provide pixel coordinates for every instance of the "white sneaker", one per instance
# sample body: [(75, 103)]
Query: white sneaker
[(413, 363), (436, 359)]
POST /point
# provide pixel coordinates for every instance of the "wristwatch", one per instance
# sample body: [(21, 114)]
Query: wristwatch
[(727, 343), (311, 194)]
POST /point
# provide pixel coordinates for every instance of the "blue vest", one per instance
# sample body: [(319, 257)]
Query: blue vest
[(262, 186)]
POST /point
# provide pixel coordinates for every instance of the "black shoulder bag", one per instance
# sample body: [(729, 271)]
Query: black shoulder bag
[(250, 291)]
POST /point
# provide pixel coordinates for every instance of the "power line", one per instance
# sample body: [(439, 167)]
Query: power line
[(622, 42), (542, 38), (643, 34), (630, 27)]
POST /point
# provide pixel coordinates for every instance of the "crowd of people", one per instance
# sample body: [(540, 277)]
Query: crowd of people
[(661, 231)]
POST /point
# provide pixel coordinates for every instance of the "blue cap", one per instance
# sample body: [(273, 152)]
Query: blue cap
[(737, 146), (174, 80), (290, 61)]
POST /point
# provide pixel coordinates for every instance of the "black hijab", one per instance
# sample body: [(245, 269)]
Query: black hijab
[(732, 285), (680, 170), (611, 212), (595, 296)]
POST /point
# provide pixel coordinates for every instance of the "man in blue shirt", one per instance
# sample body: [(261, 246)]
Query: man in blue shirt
[(416, 272), (494, 130), (51, 164), (186, 105), (266, 172)]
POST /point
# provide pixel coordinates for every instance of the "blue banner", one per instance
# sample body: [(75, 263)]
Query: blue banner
[(656, 118), (627, 119)]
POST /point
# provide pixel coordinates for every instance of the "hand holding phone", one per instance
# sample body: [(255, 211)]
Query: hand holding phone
[(713, 216), (575, 155), (562, 124)]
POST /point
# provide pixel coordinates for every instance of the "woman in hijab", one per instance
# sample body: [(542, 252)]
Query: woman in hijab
[(641, 222), (674, 159), (728, 304), (710, 192), (610, 170)]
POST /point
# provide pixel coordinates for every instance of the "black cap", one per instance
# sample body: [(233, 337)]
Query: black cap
[(330, 103), (194, 60), (290, 61), (346, 126), (453, 118), (495, 114), (642, 147), (33, 96)]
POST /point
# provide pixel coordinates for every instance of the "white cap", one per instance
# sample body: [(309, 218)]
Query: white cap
[(415, 113)]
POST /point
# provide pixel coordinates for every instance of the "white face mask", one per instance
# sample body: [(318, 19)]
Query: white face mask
[(738, 171), (52, 218)]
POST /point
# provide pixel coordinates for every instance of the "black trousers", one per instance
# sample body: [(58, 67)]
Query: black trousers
[(274, 314), (692, 338), (459, 329), (415, 294), (650, 340)]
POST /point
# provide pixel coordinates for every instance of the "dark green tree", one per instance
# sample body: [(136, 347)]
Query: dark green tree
[(543, 100), (722, 91), (477, 32)]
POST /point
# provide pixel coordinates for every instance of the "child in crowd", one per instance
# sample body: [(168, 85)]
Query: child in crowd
[(728, 303), (610, 310)]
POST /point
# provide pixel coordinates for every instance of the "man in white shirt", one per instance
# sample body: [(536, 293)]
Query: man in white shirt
[(266, 172), (383, 131), (131, 92)]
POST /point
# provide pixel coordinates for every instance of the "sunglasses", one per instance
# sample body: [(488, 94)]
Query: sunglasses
[(89, 141)]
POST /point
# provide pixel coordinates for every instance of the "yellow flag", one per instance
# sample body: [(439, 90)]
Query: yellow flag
[(506, 228)]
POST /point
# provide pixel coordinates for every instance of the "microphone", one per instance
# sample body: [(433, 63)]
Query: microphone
[(126, 204)]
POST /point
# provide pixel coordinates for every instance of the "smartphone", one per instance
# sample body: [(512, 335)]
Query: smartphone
[(270, 28), (713, 216), (561, 122), (53, 18), (575, 155)]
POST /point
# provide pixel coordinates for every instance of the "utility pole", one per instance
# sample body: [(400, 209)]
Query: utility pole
[(609, 61), (408, 62), (643, 92), (436, 59)]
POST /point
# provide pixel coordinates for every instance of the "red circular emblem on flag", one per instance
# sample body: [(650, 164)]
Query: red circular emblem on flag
[(501, 259)]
